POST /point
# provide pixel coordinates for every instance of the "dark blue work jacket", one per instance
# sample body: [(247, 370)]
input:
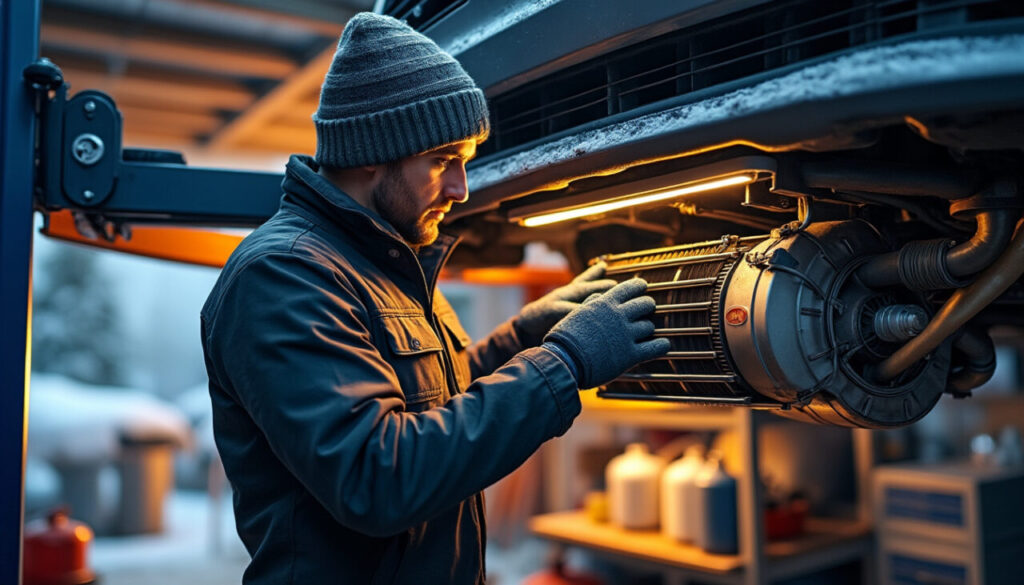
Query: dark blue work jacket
[(356, 423)]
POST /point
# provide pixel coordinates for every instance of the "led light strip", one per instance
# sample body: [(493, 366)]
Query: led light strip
[(598, 208)]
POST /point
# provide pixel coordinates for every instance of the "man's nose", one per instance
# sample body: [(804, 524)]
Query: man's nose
[(455, 187)]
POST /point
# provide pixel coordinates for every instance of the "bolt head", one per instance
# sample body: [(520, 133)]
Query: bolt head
[(90, 106), (88, 195)]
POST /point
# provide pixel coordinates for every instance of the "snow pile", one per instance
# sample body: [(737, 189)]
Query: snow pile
[(873, 69), (195, 404), (511, 14), (198, 546), (71, 421)]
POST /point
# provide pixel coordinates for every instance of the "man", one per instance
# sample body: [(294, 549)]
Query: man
[(356, 423)]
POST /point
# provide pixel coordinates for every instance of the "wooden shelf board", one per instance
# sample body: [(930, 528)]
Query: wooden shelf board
[(576, 528)]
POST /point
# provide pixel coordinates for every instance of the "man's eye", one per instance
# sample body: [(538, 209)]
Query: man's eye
[(442, 163)]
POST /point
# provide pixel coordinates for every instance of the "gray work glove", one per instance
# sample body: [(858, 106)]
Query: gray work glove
[(605, 335), (538, 317)]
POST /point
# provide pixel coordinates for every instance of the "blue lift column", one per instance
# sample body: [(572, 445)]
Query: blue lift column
[(19, 46)]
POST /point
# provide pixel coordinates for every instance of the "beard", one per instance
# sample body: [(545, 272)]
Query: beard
[(396, 202)]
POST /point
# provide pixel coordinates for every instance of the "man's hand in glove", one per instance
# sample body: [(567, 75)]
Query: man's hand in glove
[(608, 334), (538, 317)]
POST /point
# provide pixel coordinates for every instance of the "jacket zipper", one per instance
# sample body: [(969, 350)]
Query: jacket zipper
[(449, 365), (478, 498)]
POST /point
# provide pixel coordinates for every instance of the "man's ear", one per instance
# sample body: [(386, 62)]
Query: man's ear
[(374, 174)]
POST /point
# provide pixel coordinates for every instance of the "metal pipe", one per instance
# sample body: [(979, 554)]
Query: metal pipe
[(724, 243), (743, 401), (689, 355), (676, 378), (994, 229), (964, 304), (888, 178), (980, 364), (672, 331), (668, 263), (676, 284), (682, 307)]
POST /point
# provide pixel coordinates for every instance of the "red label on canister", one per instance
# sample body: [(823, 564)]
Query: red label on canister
[(736, 316)]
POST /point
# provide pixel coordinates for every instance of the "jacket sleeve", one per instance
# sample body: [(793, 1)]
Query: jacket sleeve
[(486, 355), (291, 342)]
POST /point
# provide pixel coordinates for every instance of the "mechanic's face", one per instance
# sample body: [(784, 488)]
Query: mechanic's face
[(419, 190)]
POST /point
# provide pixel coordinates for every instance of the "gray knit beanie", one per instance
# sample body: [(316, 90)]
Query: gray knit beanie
[(390, 93)]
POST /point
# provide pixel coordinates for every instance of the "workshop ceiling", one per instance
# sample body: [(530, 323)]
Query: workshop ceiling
[(215, 75)]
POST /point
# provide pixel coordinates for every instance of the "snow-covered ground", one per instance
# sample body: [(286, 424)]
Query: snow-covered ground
[(199, 547)]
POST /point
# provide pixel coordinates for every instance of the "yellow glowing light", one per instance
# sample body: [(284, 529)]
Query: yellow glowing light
[(641, 199)]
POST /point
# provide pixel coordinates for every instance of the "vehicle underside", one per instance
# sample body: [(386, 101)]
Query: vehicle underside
[(825, 198), (830, 195)]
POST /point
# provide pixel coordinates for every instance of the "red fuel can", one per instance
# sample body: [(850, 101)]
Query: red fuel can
[(56, 551)]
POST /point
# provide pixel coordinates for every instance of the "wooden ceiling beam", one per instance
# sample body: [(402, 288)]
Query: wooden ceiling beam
[(185, 122), (164, 140), (300, 114), (319, 25), (336, 12), (136, 101), (164, 92), (278, 138), (219, 59), (295, 89)]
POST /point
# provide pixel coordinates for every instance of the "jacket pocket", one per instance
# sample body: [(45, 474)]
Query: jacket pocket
[(459, 336), (415, 356), (460, 341)]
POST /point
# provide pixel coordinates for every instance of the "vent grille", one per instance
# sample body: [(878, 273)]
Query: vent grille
[(727, 49), (686, 284)]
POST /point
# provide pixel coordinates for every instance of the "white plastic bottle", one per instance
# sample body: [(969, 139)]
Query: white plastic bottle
[(679, 509), (716, 489), (632, 480)]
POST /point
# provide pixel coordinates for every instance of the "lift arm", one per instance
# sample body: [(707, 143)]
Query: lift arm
[(90, 189)]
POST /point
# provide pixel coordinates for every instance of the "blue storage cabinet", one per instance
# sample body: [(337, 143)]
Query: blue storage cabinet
[(955, 524)]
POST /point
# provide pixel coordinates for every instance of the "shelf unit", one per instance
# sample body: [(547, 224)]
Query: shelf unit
[(827, 542)]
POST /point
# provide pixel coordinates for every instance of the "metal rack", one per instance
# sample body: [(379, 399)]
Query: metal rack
[(828, 542)]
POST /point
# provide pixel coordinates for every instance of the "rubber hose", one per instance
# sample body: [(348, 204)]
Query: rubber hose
[(994, 229), (964, 304)]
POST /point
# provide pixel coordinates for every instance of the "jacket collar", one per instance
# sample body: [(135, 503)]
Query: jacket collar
[(331, 207), (304, 186)]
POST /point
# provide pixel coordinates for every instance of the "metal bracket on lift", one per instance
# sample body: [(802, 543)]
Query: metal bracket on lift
[(82, 167)]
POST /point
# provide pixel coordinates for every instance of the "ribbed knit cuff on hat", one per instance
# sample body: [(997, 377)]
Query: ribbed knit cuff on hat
[(391, 92), (410, 129)]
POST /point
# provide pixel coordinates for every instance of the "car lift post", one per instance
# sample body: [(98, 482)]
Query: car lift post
[(19, 45)]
